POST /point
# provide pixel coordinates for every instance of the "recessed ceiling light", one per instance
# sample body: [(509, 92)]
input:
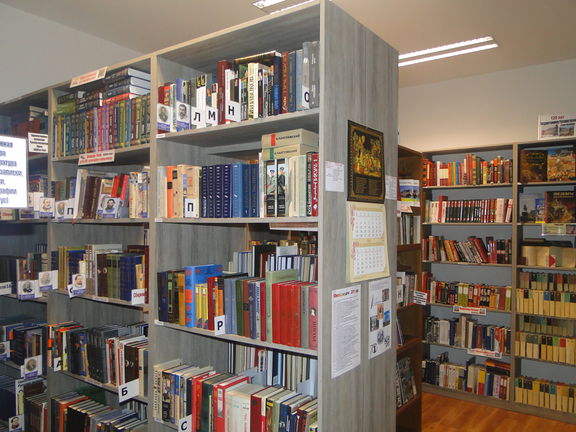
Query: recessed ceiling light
[(275, 6), (478, 44), (261, 4)]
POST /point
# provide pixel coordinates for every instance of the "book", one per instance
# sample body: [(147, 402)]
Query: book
[(561, 164), (195, 280), (560, 206), (533, 165)]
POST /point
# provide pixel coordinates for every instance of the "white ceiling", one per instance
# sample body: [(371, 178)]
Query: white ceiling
[(528, 31)]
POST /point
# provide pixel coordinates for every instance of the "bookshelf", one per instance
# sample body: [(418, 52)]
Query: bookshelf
[(410, 316), (518, 230), (350, 94)]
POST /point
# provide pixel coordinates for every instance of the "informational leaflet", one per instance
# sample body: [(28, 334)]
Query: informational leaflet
[(346, 326), (13, 173), (379, 307), (367, 253), (556, 126)]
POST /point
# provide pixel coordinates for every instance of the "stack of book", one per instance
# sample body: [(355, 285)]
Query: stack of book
[(76, 412), (408, 228), (464, 332), (405, 382), (34, 267), (466, 294), (27, 339), (548, 165), (252, 87), (29, 401), (228, 402), (473, 250), (113, 116), (473, 170), (544, 393), (539, 252), (405, 285), (111, 354), (490, 379), (278, 308), (494, 210), (544, 347), (34, 119), (106, 270)]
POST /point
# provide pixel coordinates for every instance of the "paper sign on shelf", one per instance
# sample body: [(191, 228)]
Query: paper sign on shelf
[(484, 353), (13, 173), (46, 280), (197, 117), (57, 364), (129, 390), (138, 296), (233, 111), (97, 157), (185, 424), (211, 116), (469, 310), (420, 298), (334, 176), (37, 143), (5, 288), (4, 350), (220, 325), (88, 77), (32, 367), (28, 290), (16, 423), (391, 183)]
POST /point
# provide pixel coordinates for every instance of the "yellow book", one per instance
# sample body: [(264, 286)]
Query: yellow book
[(541, 302), (556, 348), (566, 304), (553, 397), (549, 348), (563, 393), (198, 297), (547, 395), (541, 395), (544, 347), (518, 389), (205, 305)]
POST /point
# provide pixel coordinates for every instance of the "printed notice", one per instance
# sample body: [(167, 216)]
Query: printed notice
[(88, 77), (380, 311), (96, 158), (346, 342), (334, 180), (367, 254), (556, 126), (391, 187), (13, 173), (37, 142)]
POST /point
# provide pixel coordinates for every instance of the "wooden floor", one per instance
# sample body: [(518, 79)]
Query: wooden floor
[(442, 414)]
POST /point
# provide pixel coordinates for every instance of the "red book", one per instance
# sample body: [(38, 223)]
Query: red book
[(276, 320), (212, 294), (169, 187), (441, 200), (296, 324), (263, 311), (197, 397), (285, 308), (313, 317), (219, 401), (315, 179), (221, 67)]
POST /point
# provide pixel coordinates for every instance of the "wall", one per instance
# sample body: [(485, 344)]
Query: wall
[(37, 52), (495, 108)]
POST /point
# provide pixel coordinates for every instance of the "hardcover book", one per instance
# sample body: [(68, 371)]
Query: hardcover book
[(561, 164), (533, 166), (560, 207)]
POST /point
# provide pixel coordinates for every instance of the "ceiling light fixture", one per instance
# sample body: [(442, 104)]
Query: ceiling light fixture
[(481, 44), (261, 4), (272, 7)]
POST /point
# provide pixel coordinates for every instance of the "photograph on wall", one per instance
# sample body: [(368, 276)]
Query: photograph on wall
[(365, 164)]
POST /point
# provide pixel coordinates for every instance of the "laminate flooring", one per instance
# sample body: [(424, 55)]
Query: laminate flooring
[(442, 414)]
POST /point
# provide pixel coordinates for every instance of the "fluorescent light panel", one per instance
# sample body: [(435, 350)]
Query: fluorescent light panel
[(448, 54), (272, 7), (261, 4), (446, 47)]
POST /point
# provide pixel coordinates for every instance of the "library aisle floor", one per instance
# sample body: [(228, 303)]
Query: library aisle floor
[(442, 414)]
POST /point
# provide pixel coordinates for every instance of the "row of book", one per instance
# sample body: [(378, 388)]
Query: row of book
[(473, 170), (472, 250), (547, 303), (465, 332), (406, 283), (493, 210), (110, 354), (105, 270), (33, 119), (115, 115), (30, 267), (256, 86), (23, 340), (408, 228), (550, 207), (547, 165), (23, 403), (543, 347), (541, 253), (549, 281), (466, 294), (405, 382), (278, 309), (272, 367), (490, 379), (75, 411), (224, 402), (546, 325), (544, 393), (102, 195)]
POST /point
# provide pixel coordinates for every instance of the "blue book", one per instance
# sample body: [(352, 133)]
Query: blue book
[(204, 191), (236, 174), (219, 191), (245, 190), (211, 190), (227, 190), (230, 305), (194, 275), (163, 296), (277, 85), (254, 190)]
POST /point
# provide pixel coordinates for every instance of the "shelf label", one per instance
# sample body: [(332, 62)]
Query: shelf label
[(57, 364), (4, 350), (14, 173), (160, 136), (96, 158), (469, 310), (197, 117), (37, 143), (16, 423), (138, 296), (28, 290), (32, 367), (5, 288), (233, 112), (88, 77), (484, 353), (46, 280), (220, 325), (129, 390), (191, 209), (420, 298), (78, 285), (185, 424), (211, 116), (159, 323)]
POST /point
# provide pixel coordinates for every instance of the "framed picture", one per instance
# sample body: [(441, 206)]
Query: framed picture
[(365, 164)]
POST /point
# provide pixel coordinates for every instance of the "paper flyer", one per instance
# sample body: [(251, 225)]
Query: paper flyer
[(379, 314)]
